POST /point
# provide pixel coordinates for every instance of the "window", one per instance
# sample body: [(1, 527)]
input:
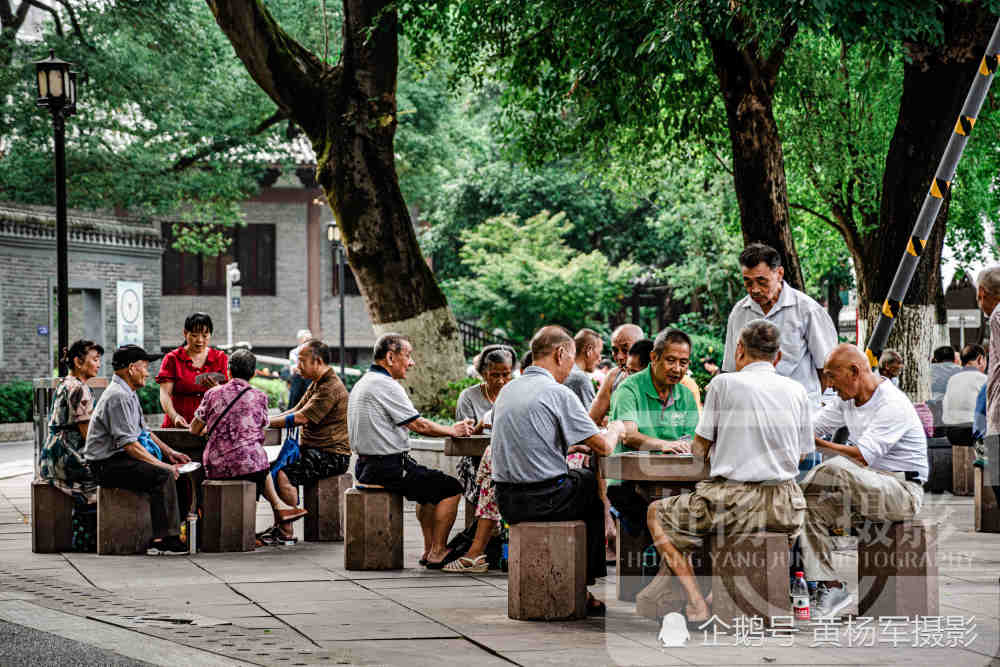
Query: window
[(350, 282), (252, 246)]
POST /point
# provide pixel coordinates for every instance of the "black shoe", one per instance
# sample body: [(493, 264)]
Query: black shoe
[(168, 546)]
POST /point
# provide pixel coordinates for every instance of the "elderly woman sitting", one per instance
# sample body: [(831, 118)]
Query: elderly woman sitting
[(233, 416)]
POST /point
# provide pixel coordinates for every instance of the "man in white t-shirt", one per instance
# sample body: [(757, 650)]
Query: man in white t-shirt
[(756, 426), (380, 417), (959, 403), (877, 476)]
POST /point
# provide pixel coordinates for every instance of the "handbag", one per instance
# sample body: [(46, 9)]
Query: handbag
[(289, 449)]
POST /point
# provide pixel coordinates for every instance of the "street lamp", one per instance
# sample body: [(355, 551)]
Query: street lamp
[(333, 236), (57, 93), (234, 297)]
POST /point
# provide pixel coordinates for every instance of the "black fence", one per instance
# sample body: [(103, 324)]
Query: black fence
[(476, 338)]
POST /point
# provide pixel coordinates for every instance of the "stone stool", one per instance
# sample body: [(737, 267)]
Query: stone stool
[(123, 522), (750, 576), (897, 569), (51, 519), (324, 500), (548, 571), (985, 506), (229, 517), (962, 478), (373, 530)]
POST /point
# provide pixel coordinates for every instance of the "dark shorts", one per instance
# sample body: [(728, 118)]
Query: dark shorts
[(258, 478), (399, 473), (316, 464)]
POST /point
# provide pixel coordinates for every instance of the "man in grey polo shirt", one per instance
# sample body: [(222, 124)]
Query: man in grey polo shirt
[(588, 352), (807, 332), (536, 422), (380, 417), (119, 460)]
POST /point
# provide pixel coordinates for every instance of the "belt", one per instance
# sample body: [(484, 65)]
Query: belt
[(907, 476), (381, 457), (528, 486)]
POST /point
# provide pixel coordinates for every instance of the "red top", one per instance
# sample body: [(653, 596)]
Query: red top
[(178, 368)]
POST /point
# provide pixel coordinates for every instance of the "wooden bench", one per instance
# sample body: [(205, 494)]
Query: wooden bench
[(51, 519), (124, 525), (324, 500), (897, 569), (548, 571), (373, 530), (229, 516)]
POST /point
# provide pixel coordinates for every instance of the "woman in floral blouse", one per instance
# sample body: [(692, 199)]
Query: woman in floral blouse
[(235, 448), (60, 461)]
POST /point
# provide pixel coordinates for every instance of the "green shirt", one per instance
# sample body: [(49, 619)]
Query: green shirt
[(636, 400)]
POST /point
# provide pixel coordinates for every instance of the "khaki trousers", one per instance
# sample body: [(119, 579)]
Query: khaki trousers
[(839, 493)]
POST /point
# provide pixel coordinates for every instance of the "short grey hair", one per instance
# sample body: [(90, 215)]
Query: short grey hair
[(386, 343), (761, 340), (888, 357), (669, 336), (242, 364), (989, 280)]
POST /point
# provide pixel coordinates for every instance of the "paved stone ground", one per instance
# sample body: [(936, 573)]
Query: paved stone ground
[(297, 605)]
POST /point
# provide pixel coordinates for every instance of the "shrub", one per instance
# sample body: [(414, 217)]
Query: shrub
[(704, 346), (16, 402), (447, 399), (276, 390), (149, 398)]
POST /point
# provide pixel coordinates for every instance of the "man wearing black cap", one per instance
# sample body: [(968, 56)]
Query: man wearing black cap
[(120, 461)]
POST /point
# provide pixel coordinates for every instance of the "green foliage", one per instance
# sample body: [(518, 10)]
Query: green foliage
[(523, 275), (703, 346), (276, 390), (447, 399), (149, 399), (16, 402)]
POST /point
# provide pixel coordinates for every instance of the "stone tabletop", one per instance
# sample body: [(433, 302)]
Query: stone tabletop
[(474, 445), (652, 467)]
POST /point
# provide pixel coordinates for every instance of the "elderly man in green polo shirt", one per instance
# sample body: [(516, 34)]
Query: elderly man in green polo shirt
[(659, 414)]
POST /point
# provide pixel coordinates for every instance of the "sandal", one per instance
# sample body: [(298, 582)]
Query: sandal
[(289, 515), (452, 556), (463, 565)]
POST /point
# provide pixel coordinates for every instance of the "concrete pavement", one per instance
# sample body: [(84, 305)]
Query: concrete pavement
[(297, 605)]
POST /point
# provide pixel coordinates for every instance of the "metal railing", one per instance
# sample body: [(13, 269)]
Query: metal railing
[(476, 338)]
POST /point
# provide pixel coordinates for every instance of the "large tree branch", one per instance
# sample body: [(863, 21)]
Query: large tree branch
[(50, 10), (284, 69), (77, 30), (227, 143), (825, 218), (777, 56)]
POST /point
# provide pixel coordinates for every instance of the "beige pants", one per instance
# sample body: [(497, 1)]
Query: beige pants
[(723, 507), (839, 493)]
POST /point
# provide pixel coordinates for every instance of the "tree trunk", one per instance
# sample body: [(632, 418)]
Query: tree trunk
[(936, 79), (747, 82), (349, 113)]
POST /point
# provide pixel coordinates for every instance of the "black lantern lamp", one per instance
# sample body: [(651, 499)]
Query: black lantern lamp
[(57, 93)]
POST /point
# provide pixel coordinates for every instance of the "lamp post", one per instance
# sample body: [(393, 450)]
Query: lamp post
[(57, 93), (333, 236)]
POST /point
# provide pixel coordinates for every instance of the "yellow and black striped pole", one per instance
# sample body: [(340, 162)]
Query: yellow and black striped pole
[(932, 202)]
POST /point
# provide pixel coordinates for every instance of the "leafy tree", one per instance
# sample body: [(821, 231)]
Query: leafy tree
[(524, 275)]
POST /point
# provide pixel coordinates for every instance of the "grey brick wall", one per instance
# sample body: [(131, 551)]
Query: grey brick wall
[(24, 273)]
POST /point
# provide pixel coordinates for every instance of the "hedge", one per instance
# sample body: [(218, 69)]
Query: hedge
[(15, 402)]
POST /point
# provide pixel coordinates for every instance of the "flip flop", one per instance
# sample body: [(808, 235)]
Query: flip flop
[(595, 607), (440, 565), (287, 516)]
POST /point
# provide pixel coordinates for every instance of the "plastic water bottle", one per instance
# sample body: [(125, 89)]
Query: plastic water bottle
[(800, 598), (503, 558)]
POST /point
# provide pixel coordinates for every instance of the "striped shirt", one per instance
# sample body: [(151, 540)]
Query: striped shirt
[(378, 412)]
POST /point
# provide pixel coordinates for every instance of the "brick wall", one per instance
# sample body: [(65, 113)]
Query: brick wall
[(24, 273)]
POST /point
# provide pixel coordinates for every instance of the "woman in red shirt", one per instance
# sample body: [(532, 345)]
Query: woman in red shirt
[(180, 394)]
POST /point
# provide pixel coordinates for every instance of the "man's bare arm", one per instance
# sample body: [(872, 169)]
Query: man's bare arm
[(850, 451), (700, 447), (646, 443)]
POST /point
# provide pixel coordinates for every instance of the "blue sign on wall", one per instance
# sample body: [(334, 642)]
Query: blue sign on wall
[(43, 331)]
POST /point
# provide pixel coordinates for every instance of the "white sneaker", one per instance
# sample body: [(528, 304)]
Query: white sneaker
[(830, 602)]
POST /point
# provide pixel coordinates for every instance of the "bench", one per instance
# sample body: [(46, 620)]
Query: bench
[(123, 522), (373, 530), (51, 519), (324, 500), (547, 571), (897, 569), (229, 517)]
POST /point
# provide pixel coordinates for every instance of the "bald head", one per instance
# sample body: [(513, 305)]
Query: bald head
[(622, 339), (848, 372), (546, 340)]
